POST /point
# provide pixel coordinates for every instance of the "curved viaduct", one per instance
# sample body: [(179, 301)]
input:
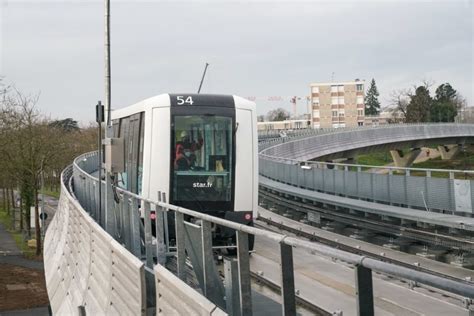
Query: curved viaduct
[(287, 161), (348, 143)]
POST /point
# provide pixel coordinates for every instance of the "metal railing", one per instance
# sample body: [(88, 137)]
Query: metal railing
[(369, 168), (193, 240), (262, 134), (453, 194), (423, 188)]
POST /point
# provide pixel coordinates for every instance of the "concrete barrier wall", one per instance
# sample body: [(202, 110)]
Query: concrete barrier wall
[(174, 297), (86, 266)]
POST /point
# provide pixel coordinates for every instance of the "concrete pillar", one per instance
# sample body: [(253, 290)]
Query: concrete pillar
[(449, 151), (406, 160)]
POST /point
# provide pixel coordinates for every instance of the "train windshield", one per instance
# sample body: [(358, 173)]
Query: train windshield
[(202, 158)]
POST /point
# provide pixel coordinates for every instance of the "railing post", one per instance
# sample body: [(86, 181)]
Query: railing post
[(148, 235), (93, 201), (135, 227), (166, 226), (102, 201), (180, 244), (405, 183), (359, 169), (159, 229), (231, 282), (207, 256), (110, 222), (287, 280), (245, 289), (87, 201), (126, 221), (452, 201), (364, 291)]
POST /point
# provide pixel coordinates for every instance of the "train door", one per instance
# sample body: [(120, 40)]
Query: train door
[(203, 158), (157, 164), (245, 168), (133, 145)]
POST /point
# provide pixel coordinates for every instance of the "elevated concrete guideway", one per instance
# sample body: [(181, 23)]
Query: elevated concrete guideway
[(349, 143), (302, 160)]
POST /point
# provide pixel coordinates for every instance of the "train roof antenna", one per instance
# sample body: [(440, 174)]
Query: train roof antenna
[(202, 79)]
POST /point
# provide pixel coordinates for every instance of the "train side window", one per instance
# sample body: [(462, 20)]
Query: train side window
[(132, 152), (124, 133)]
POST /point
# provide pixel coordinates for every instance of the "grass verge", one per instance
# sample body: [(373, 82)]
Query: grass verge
[(50, 193), (374, 159)]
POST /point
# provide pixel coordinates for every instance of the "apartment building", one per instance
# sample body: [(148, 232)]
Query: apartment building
[(337, 104)]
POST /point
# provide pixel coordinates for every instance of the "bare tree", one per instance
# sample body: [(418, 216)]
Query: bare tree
[(399, 99), (31, 144), (279, 114)]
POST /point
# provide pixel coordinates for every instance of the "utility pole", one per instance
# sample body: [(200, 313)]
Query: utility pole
[(202, 79), (107, 61), (108, 129)]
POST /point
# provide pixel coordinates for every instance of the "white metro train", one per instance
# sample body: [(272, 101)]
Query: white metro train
[(199, 149)]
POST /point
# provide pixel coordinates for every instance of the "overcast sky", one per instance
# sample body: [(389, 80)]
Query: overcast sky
[(265, 48)]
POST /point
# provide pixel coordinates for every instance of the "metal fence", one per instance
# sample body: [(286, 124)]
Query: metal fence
[(262, 134), (427, 193), (193, 241)]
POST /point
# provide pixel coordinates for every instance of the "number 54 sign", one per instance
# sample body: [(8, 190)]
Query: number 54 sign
[(181, 100)]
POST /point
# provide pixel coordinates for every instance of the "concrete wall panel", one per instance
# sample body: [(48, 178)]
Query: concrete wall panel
[(86, 266)]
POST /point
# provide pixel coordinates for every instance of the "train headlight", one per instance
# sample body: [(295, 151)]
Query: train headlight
[(248, 216)]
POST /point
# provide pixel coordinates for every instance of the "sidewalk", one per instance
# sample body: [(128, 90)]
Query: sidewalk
[(22, 285), (39, 311), (7, 244)]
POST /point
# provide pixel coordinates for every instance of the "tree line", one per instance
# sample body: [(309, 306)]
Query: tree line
[(417, 105), (32, 147)]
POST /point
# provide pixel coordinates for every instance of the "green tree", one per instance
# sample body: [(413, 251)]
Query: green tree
[(445, 93), (419, 108), (445, 105), (67, 125), (372, 104)]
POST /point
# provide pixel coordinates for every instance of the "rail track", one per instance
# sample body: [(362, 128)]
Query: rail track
[(340, 245), (434, 238)]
